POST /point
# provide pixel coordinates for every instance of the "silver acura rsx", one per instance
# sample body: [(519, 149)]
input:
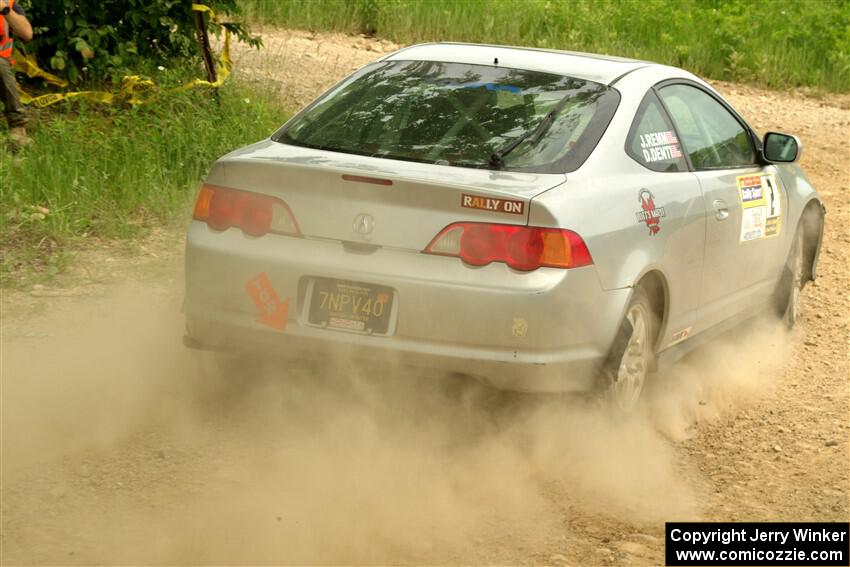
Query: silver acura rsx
[(542, 220)]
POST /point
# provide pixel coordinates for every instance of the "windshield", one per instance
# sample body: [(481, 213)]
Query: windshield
[(458, 114)]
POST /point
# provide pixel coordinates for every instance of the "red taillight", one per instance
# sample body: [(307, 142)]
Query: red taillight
[(256, 214), (523, 248)]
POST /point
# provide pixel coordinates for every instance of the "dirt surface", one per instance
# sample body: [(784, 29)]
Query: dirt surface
[(121, 446)]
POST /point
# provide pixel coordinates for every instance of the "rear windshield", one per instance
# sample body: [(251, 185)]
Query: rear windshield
[(458, 114)]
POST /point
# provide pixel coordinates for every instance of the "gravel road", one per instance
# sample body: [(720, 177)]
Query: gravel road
[(120, 446)]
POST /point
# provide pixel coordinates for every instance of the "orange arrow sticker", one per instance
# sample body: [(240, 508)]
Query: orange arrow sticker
[(271, 311)]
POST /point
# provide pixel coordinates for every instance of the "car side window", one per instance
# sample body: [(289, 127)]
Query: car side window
[(651, 141), (712, 136)]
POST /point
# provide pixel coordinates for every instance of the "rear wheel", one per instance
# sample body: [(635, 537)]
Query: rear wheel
[(632, 358)]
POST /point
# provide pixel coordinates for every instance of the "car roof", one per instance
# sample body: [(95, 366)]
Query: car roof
[(598, 68)]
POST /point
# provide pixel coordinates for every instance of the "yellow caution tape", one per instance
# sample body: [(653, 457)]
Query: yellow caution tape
[(132, 90), (26, 64), (224, 61), (207, 9)]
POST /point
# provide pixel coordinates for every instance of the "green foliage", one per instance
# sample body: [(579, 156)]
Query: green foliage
[(104, 172), (770, 42), (108, 38)]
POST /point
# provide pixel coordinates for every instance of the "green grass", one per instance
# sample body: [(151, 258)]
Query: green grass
[(768, 42), (102, 172)]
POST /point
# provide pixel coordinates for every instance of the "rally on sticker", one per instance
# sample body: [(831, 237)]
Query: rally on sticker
[(490, 204)]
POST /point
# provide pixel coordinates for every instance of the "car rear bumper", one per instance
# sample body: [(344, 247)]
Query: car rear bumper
[(527, 372), (547, 330)]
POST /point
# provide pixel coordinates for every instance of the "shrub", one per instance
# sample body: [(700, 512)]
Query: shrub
[(105, 39)]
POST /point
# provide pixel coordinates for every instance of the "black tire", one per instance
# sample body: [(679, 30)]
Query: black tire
[(632, 358)]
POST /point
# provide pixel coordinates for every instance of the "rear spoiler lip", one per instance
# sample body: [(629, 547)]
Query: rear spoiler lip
[(509, 184)]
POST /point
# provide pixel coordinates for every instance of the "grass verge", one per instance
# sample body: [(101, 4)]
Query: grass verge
[(769, 43), (101, 172)]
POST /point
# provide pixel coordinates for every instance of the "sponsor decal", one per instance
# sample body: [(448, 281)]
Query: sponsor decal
[(681, 335), (519, 327), (271, 311), (349, 324), (660, 146), (750, 194), (761, 206), (649, 213), (774, 206), (753, 224), (489, 204)]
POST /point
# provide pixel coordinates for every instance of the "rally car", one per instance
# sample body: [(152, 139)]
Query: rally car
[(542, 220)]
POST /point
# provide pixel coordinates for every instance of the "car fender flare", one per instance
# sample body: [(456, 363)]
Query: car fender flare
[(813, 235), (656, 279), (816, 206)]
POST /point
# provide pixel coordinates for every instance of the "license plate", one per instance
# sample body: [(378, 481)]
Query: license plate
[(351, 306)]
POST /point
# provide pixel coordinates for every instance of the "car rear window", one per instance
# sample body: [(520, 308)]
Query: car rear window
[(458, 114)]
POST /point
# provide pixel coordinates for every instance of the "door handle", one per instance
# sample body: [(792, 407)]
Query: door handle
[(721, 211)]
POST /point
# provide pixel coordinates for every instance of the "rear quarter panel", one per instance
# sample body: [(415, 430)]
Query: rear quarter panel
[(601, 201), (605, 209)]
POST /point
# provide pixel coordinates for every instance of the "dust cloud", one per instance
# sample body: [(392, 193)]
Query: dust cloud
[(725, 375), (121, 446)]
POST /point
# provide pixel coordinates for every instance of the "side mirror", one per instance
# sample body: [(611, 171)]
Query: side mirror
[(782, 148)]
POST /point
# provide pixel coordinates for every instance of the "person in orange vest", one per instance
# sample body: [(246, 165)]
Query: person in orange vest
[(12, 21)]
